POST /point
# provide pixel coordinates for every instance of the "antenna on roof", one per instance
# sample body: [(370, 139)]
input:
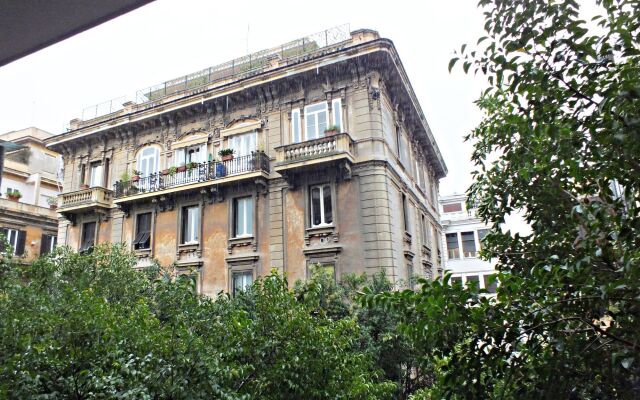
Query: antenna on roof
[(247, 38)]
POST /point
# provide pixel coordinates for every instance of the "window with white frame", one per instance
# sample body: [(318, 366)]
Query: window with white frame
[(316, 118), (97, 174), (336, 111), (487, 281), (296, 132), (147, 162), (243, 144), (468, 244), (241, 281), (453, 248), (190, 224), (321, 206), (243, 217), (186, 155), (48, 244), (15, 238)]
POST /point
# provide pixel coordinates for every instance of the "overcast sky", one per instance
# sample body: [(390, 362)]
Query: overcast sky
[(169, 38)]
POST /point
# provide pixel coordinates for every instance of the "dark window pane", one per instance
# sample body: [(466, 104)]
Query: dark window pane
[(468, 244), (315, 206), (88, 236), (473, 280), (452, 245), (490, 283), (456, 280), (328, 212)]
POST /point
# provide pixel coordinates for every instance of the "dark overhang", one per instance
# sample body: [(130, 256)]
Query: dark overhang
[(27, 26)]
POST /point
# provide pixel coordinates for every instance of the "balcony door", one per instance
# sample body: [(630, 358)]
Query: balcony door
[(316, 117), (97, 175), (148, 161)]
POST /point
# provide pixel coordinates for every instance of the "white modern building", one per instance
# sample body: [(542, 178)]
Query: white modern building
[(462, 240)]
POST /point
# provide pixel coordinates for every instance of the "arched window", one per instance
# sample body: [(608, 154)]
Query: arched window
[(148, 160)]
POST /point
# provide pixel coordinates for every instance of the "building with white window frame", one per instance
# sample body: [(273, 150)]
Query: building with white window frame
[(312, 153), (462, 234)]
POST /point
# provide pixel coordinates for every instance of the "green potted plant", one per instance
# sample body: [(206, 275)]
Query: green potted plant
[(125, 177), (226, 154), (172, 170), (14, 195), (53, 202), (191, 165), (136, 176), (181, 168), (332, 130)]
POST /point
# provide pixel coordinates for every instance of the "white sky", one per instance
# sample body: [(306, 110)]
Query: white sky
[(169, 38)]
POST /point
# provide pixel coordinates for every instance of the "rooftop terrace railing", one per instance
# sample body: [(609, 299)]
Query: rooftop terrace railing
[(243, 66)]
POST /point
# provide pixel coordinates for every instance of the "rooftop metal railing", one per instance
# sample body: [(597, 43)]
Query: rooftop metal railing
[(234, 69)]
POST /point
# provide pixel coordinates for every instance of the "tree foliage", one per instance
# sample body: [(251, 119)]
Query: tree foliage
[(91, 326), (561, 128)]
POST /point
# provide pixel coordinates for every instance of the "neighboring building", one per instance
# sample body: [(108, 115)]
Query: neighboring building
[(294, 197), (462, 239), (29, 186)]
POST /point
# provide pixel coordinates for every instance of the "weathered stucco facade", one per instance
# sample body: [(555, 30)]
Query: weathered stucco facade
[(361, 200)]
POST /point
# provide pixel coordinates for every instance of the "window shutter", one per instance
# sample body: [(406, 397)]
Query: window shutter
[(22, 236)]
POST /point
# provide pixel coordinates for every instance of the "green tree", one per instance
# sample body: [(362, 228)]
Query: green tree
[(90, 326), (561, 128)]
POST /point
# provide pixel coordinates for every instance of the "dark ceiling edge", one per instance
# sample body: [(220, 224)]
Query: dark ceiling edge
[(82, 28)]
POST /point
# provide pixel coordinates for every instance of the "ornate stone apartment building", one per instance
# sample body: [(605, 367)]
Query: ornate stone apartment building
[(334, 165), (29, 187)]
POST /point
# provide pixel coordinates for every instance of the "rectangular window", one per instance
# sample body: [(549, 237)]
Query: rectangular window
[(490, 283), (48, 244), (403, 148), (95, 179), (481, 234), (243, 217), (295, 126), (241, 281), (321, 206), (456, 280), (424, 232), (243, 144), (468, 244), (190, 224), (410, 277), (88, 237), (322, 269), (452, 245), (16, 239), (406, 214), (336, 109), (389, 127), (142, 240), (473, 280), (453, 207), (189, 154), (316, 118)]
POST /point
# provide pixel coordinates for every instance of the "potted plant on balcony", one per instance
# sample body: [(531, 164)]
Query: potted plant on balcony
[(332, 130), (14, 195), (226, 154), (172, 170), (181, 168), (191, 165), (53, 202), (136, 176)]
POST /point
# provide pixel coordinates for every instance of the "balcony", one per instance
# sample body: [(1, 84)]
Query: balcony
[(199, 176), (329, 148), (84, 200)]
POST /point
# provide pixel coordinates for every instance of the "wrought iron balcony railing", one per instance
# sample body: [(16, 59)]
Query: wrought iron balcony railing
[(201, 172)]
